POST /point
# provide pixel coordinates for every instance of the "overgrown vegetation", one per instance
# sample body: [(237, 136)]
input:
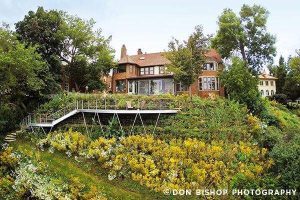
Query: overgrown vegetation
[(204, 125), (160, 164)]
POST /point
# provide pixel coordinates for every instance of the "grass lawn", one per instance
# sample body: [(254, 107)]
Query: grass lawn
[(89, 173)]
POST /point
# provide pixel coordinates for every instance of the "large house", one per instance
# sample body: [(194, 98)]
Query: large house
[(267, 85), (146, 73)]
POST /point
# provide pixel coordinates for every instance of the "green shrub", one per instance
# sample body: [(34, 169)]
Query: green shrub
[(286, 156)]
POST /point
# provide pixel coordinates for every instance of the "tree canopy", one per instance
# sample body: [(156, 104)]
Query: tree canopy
[(24, 78), (69, 45), (40, 28), (280, 72), (241, 85), (187, 57), (292, 83), (246, 36), (86, 52)]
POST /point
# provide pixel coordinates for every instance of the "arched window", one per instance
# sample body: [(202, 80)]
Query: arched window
[(267, 93), (262, 93), (272, 92)]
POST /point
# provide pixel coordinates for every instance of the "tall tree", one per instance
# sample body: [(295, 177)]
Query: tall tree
[(280, 71), (74, 51), (241, 85), (86, 52), (245, 35), (23, 79), (292, 84), (40, 28), (187, 57)]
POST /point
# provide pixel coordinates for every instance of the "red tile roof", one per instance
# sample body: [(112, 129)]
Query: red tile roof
[(214, 55), (266, 76), (152, 59)]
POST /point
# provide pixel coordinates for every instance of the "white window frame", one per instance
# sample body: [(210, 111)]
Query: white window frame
[(215, 66), (207, 78)]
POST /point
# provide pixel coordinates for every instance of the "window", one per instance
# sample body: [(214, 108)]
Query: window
[(130, 86), (162, 70), (120, 86), (267, 83), (262, 93), (267, 93), (155, 86), (261, 83), (209, 66), (151, 70), (209, 83), (272, 92), (180, 87), (130, 69), (272, 83), (147, 71), (121, 69)]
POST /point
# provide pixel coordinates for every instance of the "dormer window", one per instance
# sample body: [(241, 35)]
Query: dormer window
[(209, 66)]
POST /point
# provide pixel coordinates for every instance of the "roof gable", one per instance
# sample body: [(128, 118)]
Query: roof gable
[(153, 59)]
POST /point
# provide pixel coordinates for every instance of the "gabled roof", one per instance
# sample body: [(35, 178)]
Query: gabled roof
[(214, 55), (266, 76), (152, 59), (147, 59)]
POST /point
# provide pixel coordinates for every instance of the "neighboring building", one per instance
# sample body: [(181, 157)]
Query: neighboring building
[(267, 85), (146, 73)]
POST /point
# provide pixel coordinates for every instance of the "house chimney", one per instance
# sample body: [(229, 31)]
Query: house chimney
[(123, 51), (139, 52)]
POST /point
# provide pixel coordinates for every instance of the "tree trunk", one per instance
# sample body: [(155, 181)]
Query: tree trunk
[(190, 92), (242, 48)]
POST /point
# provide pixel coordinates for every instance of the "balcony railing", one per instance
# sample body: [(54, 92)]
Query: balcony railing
[(100, 104)]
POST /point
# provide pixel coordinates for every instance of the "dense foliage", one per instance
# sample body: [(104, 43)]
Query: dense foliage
[(246, 35), (26, 177), (161, 164), (187, 57), (73, 50), (280, 72), (292, 83), (210, 121), (25, 79), (242, 86), (40, 28)]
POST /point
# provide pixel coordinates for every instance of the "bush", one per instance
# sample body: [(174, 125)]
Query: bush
[(280, 98), (241, 86), (178, 163), (70, 141), (286, 155)]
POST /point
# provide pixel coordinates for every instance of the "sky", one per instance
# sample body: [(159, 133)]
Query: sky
[(151, 24)]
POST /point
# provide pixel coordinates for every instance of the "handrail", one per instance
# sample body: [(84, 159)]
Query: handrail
[(103, 104)]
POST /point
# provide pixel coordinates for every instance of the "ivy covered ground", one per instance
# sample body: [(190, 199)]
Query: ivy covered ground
[(211, 143)]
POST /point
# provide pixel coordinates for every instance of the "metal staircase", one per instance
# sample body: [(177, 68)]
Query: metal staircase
[(107, 106)]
